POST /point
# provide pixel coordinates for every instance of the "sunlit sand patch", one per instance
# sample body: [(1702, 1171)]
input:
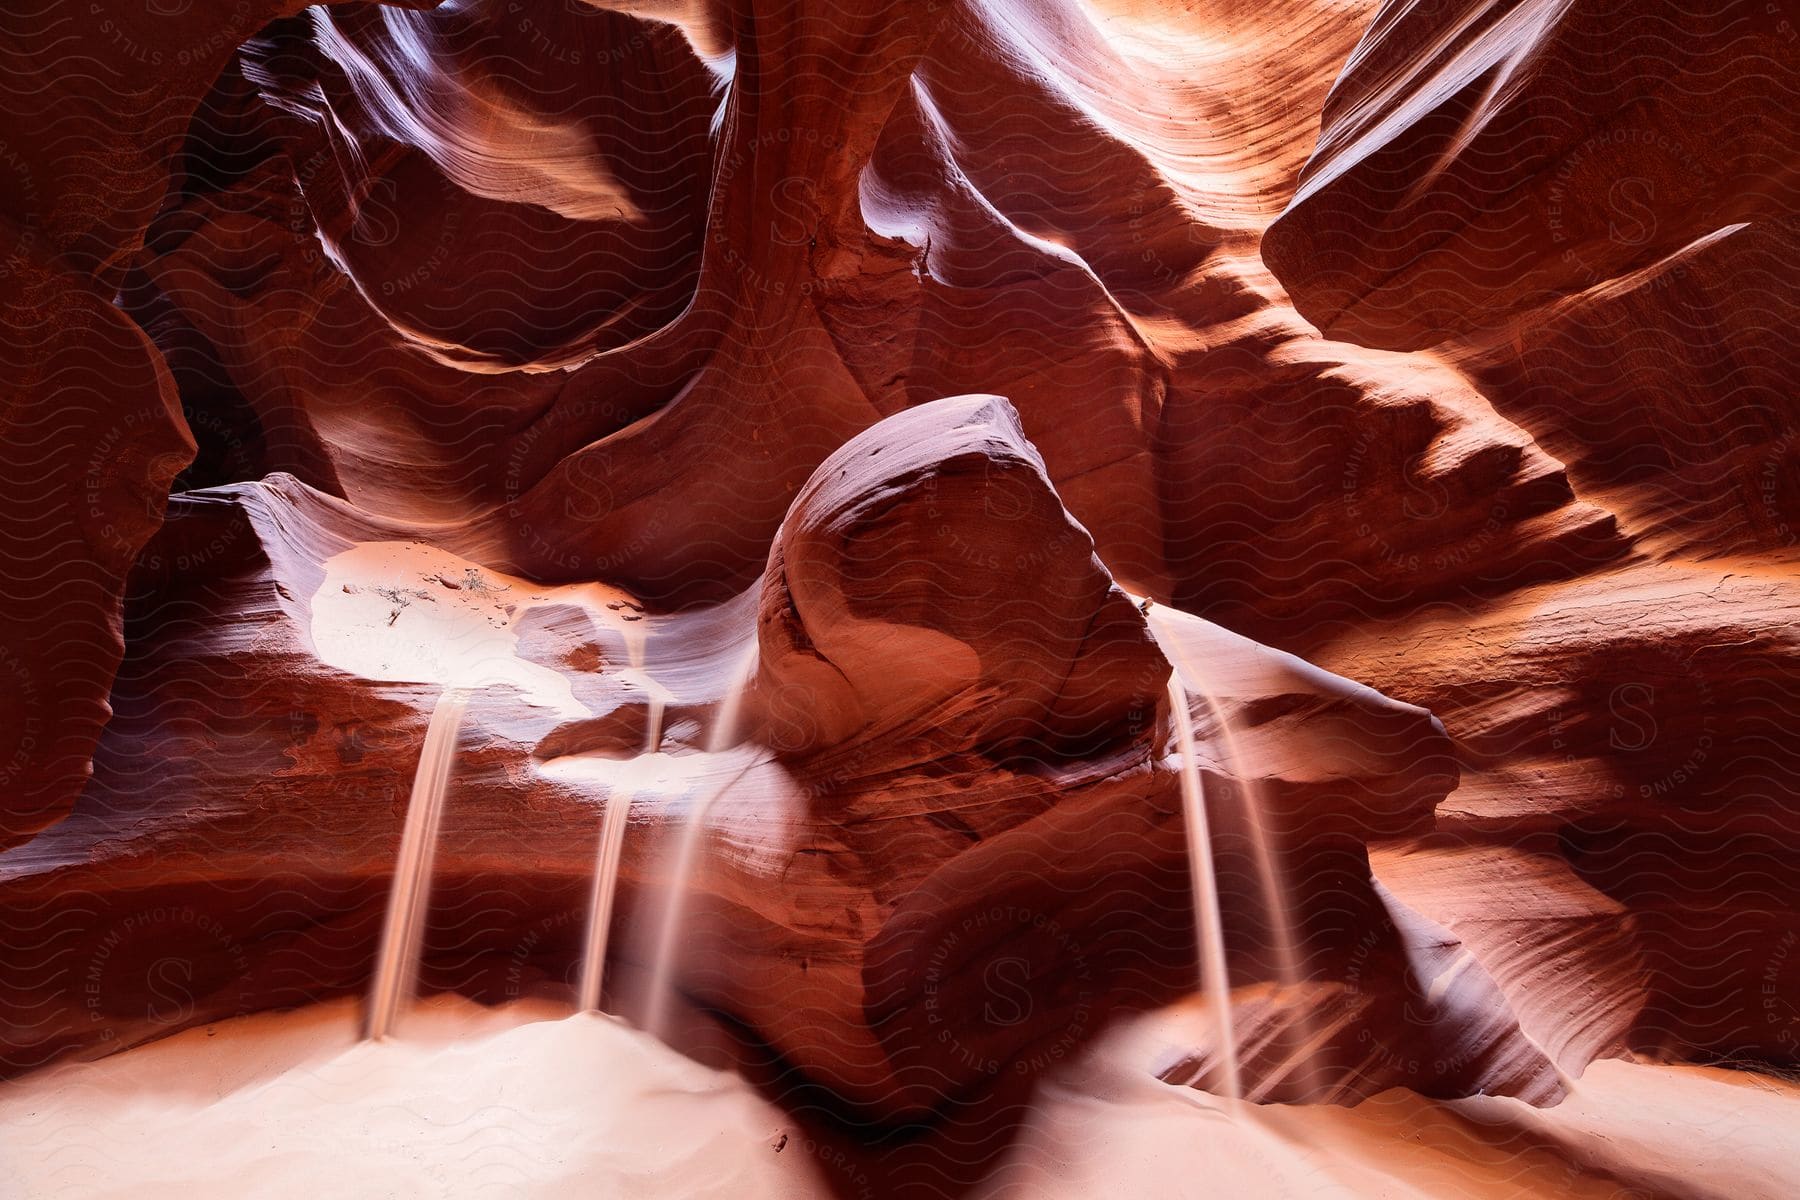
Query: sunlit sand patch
[(412, 613)]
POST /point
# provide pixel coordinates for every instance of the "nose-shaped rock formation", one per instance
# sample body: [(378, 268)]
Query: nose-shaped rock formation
[(928, 584)]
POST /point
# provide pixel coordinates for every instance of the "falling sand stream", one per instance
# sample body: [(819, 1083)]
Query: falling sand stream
[(687, 851), (403, 932), (612, 848), (1271, 878), (1214, 983)]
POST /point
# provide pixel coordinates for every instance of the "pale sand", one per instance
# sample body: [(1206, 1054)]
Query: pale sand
[(525, 1102), (1628, 1131)]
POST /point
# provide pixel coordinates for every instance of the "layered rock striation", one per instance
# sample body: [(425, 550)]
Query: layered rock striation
[(583, 354)]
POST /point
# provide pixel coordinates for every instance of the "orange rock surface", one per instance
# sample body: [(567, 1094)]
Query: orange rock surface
[(1416, 379)]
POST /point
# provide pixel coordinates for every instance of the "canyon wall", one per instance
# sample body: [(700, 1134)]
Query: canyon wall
[(1425, 365)]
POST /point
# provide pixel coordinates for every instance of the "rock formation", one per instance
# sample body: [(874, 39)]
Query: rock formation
[(1412, 379), (919, 805)]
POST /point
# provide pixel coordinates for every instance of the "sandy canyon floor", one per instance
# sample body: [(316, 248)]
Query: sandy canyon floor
[(524, 1101)]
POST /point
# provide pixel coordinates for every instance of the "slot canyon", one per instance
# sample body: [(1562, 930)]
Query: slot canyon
[(900, 599)]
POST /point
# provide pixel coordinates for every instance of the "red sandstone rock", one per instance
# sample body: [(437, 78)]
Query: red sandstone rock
[(586, 298), (926, 586), (1479, 159), (1586, 210), (850, 894), (94, 104), (1623, 748)]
